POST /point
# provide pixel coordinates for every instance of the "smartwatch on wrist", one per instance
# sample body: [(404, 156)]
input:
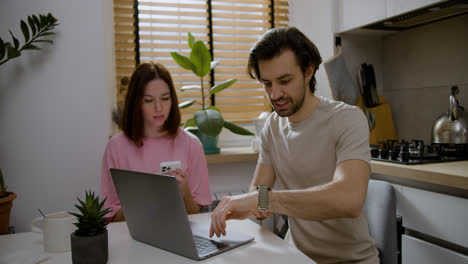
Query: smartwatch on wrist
[(263, 197)]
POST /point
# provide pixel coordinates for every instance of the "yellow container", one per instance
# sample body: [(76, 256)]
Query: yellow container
[(384, 128)]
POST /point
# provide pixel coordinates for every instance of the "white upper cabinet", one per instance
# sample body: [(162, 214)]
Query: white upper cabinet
[(396, 7), (355, 13), (350, 14)]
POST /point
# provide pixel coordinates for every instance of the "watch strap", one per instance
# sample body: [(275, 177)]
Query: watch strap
[(263, 205)]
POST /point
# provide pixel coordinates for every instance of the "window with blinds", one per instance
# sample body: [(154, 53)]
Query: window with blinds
[(229, 28)]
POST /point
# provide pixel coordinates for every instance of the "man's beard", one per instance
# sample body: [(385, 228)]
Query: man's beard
[(293, 107)]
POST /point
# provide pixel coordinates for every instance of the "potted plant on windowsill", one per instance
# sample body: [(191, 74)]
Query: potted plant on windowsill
[(208, 122), (6, 202), (89, 243)]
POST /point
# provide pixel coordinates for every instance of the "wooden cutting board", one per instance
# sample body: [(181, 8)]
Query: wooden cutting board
[(384, 128)]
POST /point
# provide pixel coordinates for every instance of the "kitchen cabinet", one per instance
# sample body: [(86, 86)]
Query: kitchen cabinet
[(432, 202), (355, 13), (438, 215), (416, 251), (396, 7)]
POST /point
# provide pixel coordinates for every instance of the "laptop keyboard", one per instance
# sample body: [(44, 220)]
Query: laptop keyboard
[(205, 246)]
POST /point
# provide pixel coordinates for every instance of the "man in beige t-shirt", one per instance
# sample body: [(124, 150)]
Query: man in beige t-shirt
[(315, 149)]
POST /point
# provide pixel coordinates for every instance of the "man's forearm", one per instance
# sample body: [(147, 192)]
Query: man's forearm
[(317, 203), (343, 197)]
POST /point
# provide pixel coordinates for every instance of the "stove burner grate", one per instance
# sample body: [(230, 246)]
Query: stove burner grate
[(416, 152)]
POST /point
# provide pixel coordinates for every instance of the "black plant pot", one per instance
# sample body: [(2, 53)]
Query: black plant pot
[(89, 250)]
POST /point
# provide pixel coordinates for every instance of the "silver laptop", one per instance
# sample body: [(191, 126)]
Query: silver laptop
[(155, 215)]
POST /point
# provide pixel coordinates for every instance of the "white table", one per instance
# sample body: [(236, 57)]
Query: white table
[(266, 248)]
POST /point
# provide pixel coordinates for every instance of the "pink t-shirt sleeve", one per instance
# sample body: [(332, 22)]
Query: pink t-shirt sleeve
[(198, 171), (107, 185)]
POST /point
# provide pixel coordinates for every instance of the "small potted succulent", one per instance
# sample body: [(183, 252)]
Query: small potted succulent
[(207, 122), (6, 202), (89, 243)]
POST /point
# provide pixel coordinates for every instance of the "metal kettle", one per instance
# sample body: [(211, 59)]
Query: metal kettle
[(451, 127)]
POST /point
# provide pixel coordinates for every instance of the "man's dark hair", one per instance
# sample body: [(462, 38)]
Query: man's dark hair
[(275, 41), (132, 118)]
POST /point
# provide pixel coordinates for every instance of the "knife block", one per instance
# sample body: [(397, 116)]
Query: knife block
[(384, 128)]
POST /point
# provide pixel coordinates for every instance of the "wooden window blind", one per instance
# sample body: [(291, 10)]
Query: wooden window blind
[(229, 28), (124, 45)]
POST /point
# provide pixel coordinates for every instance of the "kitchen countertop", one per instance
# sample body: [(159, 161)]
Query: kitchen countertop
[(449, 174), (232, 154)]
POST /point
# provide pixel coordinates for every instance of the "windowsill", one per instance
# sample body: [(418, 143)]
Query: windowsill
[(233, 154)]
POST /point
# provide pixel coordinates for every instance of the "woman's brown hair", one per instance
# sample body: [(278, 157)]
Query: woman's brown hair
[(132, 118)]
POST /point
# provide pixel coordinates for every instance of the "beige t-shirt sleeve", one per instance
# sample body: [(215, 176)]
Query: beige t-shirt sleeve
[(352, 133), (265, 136)]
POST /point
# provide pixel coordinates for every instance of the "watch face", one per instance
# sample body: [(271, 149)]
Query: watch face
[(263, 198)]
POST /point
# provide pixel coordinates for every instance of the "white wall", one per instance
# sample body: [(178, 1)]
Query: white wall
[(420, 66), (315, 18), (54, 107)]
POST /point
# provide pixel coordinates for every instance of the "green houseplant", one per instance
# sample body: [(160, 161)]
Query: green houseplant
[(39, 27), (208, 120), (89, 242)]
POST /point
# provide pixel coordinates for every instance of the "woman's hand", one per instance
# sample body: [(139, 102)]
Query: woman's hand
[(190, 205), (181, 177)]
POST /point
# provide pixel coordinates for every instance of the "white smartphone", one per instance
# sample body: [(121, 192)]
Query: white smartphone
[(168, 166)]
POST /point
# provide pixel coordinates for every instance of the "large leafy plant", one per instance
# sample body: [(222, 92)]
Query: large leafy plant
[(208, 119), (91, 218), (39, 27)]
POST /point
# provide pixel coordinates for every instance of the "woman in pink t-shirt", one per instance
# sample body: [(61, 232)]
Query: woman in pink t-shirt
[(151, 135)]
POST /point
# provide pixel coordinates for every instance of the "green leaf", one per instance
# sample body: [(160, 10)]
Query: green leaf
[(213, 64), (209, 121), (44, 40), (2, 49), (2, 182), (190, 87), (30, 47), (50, 18), (25, 30), (46, 34), (191, 40), (186, 104), (201, 59), (43, 20), (214, 108), (31, 25), (12, 52), (221, 86), (15, 41), (182, 60), (190, 123), (237, 129), (192, 130), (36, 22)]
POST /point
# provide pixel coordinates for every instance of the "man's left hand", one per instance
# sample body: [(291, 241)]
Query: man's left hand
[(234, 207)]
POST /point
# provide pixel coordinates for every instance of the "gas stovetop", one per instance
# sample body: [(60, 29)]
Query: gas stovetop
[(416, 152)]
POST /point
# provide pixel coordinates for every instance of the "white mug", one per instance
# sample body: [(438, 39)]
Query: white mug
[(56, 229)]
